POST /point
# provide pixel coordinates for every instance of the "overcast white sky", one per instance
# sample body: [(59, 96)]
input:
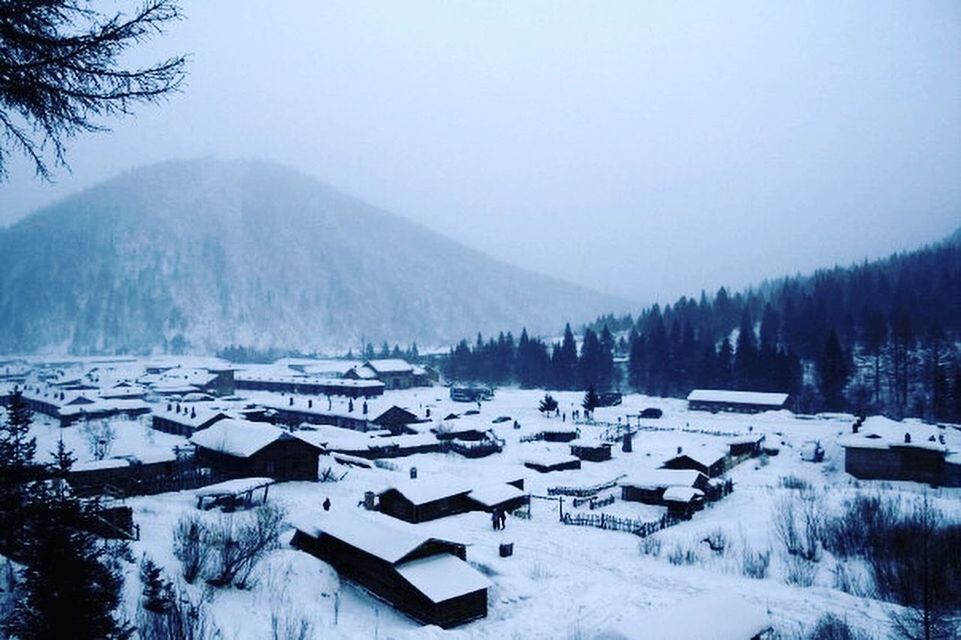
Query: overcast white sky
[(645, 149)]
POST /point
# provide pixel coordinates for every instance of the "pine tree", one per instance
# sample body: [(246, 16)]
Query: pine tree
[(17, 451), (590, 401), (70, 584), (157, 591), (548, 405), (833, 373)]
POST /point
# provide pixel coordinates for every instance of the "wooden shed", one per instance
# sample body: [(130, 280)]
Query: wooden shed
[(242, 449), (548, 462), (424, 577), (591, 451), (424, 499)]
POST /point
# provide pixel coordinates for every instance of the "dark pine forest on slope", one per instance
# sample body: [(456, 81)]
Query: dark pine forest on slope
[(880, 336)]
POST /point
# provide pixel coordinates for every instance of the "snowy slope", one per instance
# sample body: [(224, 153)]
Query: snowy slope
[(204, 254)]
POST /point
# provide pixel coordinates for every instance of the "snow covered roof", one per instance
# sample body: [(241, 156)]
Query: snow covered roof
[(704, 455), (550, 459), (423, 490), (233, 487), (661, 478), (494, 493), (879, 432), (390, 365), (240, 438), (379, 538), (191, 416), (719, 616), (98, 465), (681, 494), (443, 577), (775, 400)]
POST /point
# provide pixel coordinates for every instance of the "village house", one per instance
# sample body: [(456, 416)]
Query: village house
[(546, 462), (883, 449), (394, 373), (72, 406), (711, 461), (311, 386), (424, 577), (216, 381), (185, 419), (423, 499), (649, 486), (715, 400), (590, 450), (242, 449)]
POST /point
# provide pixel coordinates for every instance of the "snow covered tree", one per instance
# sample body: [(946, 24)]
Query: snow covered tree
[(60, 70), (17, 451), (70, 584), (590, 401), (832, 369), (548, 405), (157, 591)]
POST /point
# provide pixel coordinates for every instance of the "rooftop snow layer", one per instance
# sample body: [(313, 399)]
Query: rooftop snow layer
[(443, 577), (240, 438), (713, 615), (775, 400)]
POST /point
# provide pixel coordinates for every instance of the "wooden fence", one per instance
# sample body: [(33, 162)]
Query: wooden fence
[(583, 492)]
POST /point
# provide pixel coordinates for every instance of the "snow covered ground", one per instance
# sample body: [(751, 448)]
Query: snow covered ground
[(562, 581)]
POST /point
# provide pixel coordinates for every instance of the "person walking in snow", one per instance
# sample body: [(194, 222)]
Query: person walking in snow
[(326, 504), (495, 519)]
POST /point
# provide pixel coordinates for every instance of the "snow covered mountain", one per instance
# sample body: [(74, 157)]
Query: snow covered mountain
[(202, 254)]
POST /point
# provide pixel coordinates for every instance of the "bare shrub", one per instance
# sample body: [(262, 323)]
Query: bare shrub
[(831, 627), (287, 626), (861, 526), (794, 482), (651, 546), (100, 436), (848, 580), (798, 524), (716, 540), (191, 546), (237, 547), (800, 572), (682, 555), (755, 564), (184, 619)]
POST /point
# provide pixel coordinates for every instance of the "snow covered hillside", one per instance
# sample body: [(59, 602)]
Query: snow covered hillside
[(203, 254)]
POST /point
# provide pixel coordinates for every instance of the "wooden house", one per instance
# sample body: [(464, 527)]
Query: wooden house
[(649, 486), (308, 385), (424, 577), (424, 499), (393, 372), (244, 449), (396, 419), (560, 434), (715, 400), (749, 445), (590, 451), (504, 496), (548, 462), (710, 461), (683, 502), (185, 419)]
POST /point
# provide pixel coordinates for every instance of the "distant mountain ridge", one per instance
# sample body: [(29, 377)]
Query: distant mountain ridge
[(201, 254)]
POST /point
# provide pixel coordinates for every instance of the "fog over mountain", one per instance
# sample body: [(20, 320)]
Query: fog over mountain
[(203, 254)]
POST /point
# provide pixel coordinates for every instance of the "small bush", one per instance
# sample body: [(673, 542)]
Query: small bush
[(238, 548), (794, 482), (183, 620), (681, 556), (716, 540), (651, 546), (800, 572), (798, 524), (756, 564), (287, 626), (831, 627)]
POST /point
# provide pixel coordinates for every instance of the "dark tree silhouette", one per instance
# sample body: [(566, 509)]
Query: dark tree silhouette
[(60, 72)]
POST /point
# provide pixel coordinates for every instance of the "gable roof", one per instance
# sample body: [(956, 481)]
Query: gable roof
[(424, 490), (240, 438), (442, 577), (390, 365), (662, 478), (378, 537)]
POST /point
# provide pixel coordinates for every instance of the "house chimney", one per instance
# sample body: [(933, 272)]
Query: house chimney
[(310, 403), (350, 405), (428, 412), (169, 407), (193, 412), (365, 407), (907, 438), (679, 450), (291, 403), (413, 473)]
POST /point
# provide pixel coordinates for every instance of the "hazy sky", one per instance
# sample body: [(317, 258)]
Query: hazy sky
[(645, 149)]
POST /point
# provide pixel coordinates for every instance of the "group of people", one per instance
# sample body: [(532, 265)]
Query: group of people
[(499, 519)]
